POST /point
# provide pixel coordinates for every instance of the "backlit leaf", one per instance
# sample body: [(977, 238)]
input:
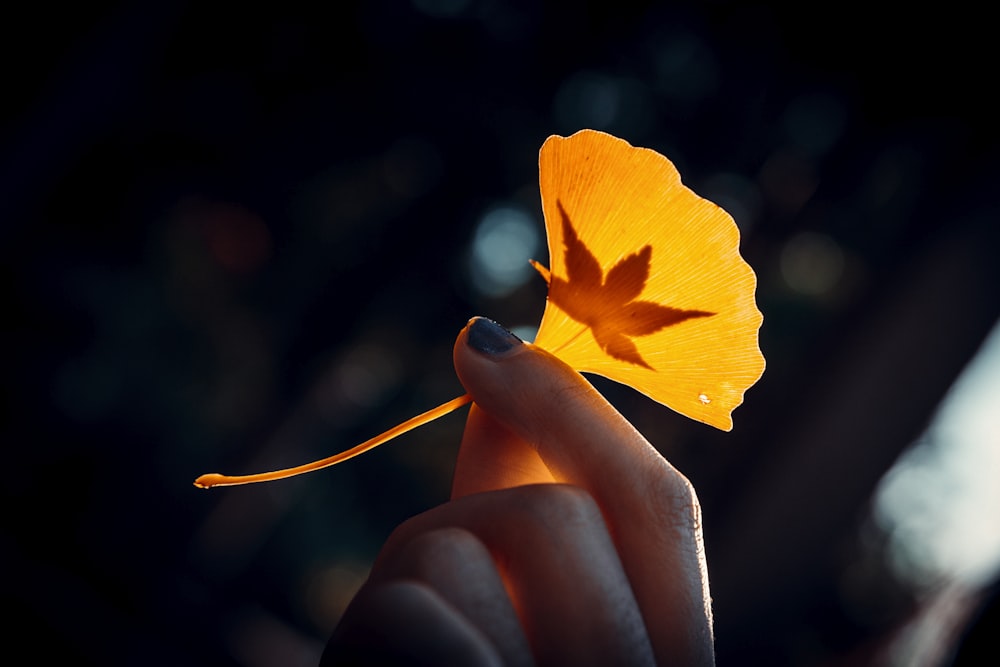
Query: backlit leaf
[(647, 286)]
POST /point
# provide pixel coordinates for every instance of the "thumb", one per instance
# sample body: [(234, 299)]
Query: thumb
[(539, 420), (540, 404)]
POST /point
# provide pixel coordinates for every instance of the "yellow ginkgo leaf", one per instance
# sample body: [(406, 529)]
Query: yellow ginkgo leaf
[(647, 287)]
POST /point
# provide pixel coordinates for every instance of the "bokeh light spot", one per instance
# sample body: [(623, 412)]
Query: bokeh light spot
[(621, 105), (412, 167), (506, 238), (938, 503), (686, 69), (814, 123), (788, 179), (737, 194), (329, 590), (525, 332), (236, 238), (812, 263), (588, 99), (360, 378)]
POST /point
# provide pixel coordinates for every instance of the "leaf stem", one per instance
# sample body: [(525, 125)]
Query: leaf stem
[(215, 479)]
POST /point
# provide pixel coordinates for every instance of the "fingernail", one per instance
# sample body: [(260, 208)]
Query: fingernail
[(490, 338)]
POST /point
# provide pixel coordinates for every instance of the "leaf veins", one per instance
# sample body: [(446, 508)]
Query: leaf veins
[(607, 303)]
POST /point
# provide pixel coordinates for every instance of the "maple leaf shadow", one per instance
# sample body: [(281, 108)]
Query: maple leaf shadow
[(607, 303)]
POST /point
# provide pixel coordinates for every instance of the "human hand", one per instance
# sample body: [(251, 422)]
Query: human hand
[(569, 540)]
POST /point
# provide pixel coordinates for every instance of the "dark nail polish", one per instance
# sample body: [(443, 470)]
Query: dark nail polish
[(488, 337)]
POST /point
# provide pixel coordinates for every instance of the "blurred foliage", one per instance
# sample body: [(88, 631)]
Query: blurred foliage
[(235, 238)]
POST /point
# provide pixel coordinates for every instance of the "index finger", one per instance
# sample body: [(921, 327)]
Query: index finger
[(651, 509)]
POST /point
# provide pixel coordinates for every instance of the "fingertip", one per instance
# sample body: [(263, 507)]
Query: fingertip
[(483, 346), (485, 357), (577, 433), (494, 452), (497, 368), (489, 338)]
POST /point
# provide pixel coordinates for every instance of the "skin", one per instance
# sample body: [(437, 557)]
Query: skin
[(568, 539)]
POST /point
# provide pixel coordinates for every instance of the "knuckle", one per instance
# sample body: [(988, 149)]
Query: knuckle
[(561, 505), (442, 546), (675, 500)]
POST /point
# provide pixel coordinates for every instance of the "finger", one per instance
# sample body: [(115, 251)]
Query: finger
[(651, 508), (458, 567), (494, 457), (559, 567), (406, 623)]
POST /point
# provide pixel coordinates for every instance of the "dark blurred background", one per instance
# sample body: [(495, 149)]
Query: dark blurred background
[(237, 238)]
